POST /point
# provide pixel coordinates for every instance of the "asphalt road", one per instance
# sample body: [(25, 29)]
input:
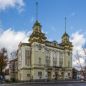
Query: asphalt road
[(47, 84)]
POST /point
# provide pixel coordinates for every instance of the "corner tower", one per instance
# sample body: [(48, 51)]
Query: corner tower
[(37, 35), (65, 39)]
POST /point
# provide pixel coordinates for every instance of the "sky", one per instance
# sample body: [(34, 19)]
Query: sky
[(18, 16)]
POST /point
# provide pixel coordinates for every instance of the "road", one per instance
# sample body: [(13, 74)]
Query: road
[(47, 84)]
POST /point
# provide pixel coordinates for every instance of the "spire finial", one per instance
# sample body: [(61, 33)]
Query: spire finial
[(65, 23), (36, 10)]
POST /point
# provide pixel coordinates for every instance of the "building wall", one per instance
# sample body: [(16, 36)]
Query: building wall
[(24, 75), (39, 64), (13, 69), (36, 55), (37, 60), (23, 68)]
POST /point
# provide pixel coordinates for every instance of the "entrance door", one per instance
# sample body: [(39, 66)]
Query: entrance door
[(49, 75), (56, 75)]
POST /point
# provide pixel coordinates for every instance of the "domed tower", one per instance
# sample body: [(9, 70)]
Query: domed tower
[(67, 47), (37, 40), (37, 35), (65, 39)]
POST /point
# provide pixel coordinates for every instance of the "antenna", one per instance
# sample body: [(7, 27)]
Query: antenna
[(36, 10), (65, 23)]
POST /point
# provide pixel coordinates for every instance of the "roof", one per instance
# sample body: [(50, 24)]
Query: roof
[(25, 44), (65, 34), (37, 23), (13, 60)]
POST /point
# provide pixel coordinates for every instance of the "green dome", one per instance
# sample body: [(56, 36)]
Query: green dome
[(65, 35), (36, 24)]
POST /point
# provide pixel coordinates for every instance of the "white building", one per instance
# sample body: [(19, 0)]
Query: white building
[(42, 59)]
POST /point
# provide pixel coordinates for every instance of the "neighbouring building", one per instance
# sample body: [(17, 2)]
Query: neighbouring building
[(44, 59), (6, 72), (74, 73), (13, 69)]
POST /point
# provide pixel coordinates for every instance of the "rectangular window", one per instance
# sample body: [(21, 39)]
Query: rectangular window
[(27, 57), (28, 75), (68, 63), (61, 60), (19, 58), (39, 61), (54, 61), (47, 61), (40, 75)]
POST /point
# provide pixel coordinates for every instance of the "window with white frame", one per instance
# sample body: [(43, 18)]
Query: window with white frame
[(61, 60), (54, 61), (47, 61), (40, 75), (68, 63), (47, 57), (19, 58), (27, 57)]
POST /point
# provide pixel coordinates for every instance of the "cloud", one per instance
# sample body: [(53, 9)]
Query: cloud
[(10, 39), (78, 39), (4, 4)]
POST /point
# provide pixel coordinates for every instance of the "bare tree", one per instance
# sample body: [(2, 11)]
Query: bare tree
[(3, 59), (82, 67)]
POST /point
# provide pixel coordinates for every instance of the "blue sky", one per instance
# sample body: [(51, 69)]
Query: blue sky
[(51, 16)]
